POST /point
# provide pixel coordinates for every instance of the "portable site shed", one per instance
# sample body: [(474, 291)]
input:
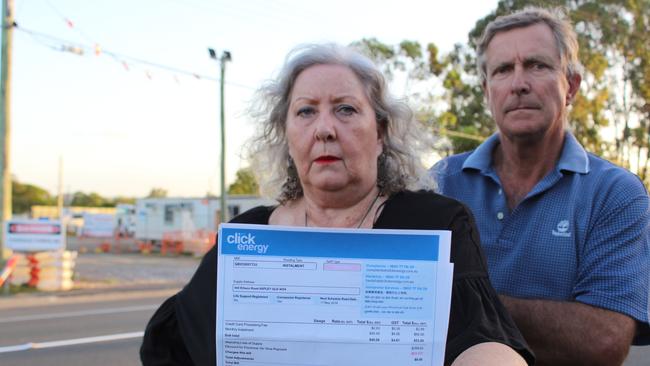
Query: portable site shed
[(157, 217)]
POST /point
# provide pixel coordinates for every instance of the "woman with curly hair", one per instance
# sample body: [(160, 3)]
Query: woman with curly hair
[(337, 150)]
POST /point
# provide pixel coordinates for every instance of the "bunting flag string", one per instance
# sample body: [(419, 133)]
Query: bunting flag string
[(68, 21), (98, 50), (127, 62)]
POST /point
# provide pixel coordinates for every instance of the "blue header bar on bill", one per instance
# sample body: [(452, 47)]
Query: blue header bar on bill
[(264, 240)]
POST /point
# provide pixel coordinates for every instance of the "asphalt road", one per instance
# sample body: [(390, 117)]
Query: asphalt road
[(101, 329), (102, 325), (57, 323)]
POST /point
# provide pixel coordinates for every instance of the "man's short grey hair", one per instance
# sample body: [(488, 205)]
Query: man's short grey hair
[(404, 139), (566, 40)]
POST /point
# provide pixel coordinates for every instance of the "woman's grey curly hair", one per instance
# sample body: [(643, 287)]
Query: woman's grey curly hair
[(405, 140)]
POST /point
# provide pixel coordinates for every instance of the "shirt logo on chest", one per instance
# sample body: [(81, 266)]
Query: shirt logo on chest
[(562, 229)]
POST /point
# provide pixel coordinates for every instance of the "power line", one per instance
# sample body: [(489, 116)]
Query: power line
[(447, 132), (444, 131), (77, 48), (68, 21)]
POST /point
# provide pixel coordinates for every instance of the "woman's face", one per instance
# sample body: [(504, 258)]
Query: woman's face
[(332, 130)]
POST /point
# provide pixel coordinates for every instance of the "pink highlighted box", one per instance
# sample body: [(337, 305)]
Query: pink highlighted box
[(348, 267)]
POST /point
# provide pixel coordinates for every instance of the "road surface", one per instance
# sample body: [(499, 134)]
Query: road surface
[(103, 325), (101, 329)]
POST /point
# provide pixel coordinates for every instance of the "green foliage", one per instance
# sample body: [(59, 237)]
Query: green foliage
[(379, 52), (435, 66), (121, 199), (90, 200), (615, 52), (24, 196), (157, 192), (245, 183), (95, 200), (411, 49), (615, 93), (463, 111)]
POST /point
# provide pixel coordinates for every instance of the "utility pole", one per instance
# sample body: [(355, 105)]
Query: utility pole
[(5, 103), (225, 57), (59, 199)]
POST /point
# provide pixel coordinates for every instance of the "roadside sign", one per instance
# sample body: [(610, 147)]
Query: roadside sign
[(34, 235)]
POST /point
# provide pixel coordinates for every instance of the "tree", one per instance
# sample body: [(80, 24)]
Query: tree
[(615, 93), (636, 53), (122, 199), (442, 88), (466, 119), (24, 196), (157, 193), (245, 183), (90, 200)]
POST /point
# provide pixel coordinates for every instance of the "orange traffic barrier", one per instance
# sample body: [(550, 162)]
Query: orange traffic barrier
[(172, 242), (145, 247), (9, 267), (196, 242), (51, 271)]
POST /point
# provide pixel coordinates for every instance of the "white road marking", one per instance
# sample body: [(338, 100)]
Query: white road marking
[(70, 314), (70, 342)]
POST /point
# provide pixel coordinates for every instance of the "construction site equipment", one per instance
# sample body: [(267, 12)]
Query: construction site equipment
[(46, 271), (158, 218), (196, 243)]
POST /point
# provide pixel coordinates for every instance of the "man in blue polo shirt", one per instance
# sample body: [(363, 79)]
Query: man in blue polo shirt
[(565, 233)]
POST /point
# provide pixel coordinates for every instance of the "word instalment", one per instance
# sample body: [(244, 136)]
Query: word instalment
[(246, 242)]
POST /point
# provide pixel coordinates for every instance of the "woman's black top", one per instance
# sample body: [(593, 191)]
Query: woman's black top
[(182, 331)]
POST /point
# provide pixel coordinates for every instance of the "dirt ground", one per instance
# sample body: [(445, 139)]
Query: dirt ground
[(101, 270)]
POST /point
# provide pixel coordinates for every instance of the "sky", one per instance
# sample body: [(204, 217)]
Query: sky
[(143, 112)]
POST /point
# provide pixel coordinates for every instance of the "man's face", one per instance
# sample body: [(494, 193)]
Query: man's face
[(526, 87)]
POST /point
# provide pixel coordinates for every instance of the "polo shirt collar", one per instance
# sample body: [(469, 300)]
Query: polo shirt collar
[(481, 157), (573, 158)]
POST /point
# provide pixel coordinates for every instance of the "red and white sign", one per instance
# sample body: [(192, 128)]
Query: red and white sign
[(34, 235), (34, 228)]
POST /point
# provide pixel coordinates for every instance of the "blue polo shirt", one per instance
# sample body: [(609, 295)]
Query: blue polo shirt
[(582, 233)]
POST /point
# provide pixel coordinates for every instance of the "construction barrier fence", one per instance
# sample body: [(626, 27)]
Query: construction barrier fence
[(45, 271)]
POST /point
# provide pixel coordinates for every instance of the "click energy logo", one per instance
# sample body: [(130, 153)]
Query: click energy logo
[(246, 243)]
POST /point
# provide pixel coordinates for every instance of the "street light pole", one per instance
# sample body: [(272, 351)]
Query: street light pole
[(225, 57)]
